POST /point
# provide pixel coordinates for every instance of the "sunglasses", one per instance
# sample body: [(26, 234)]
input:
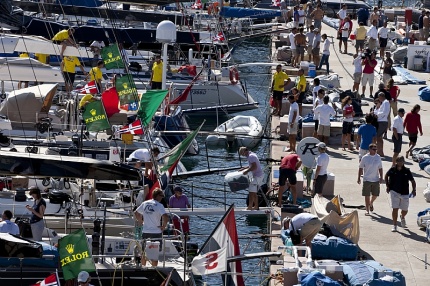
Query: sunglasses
[(374, 149)]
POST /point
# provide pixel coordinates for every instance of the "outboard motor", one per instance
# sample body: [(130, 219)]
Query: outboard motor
[(20, 195)]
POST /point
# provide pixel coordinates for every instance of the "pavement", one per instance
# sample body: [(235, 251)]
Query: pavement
[(402, 250)]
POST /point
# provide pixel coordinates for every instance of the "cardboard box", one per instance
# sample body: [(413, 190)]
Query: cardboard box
[(283, 125), (332, 268), (290, 276), (19, 182), (308, 129)]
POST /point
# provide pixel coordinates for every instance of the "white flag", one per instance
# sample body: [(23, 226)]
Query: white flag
[(210, 262)]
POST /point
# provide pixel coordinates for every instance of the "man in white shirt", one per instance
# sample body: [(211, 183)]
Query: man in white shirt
[(307, 224), (316, 47), (342, 13), (6, 226), (291, 37), (293, 121), (383, 39), (310, 38), (382, 113), (372, 35), (96, 47), (357, 72), (143, 155), (344, 35), (325, 53), (302, 16), (254, 167), (324, 112), (397, 128), (149, 213), (370, 167), (320, 176)]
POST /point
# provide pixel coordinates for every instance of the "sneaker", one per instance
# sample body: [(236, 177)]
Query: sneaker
[(371, 96), (362, 95), (403, 222), (394, 229)]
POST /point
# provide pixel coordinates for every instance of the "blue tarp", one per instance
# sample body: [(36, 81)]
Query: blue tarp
[(233, 12)]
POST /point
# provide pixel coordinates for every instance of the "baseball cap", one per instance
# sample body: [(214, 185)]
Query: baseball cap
[(321, 145), (177, 189), (401, 110), (316, 30), (301, 6), (83, 276)]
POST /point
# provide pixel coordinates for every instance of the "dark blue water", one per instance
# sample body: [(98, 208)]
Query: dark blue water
[(208, 190)]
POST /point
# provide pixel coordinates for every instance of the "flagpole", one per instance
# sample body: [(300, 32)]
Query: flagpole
[(213, 231), (226, 266)]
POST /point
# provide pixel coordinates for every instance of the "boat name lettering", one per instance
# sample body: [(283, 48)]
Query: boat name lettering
[(95, 118), (127, 91), (197, 91), (111, 60), (421, 52), (74, 257)]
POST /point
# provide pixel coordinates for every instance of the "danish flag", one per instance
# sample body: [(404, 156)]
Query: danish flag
[(51, 280), (197, 5), (133, 128), (89, 88), (276, 3), (220, 37)]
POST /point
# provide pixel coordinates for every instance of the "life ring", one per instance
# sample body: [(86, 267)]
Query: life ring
[(234, 75)]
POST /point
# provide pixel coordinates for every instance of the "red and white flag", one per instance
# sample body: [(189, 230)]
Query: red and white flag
[(133, 128), (210, 263), (89, 88), (220, 37), (197, 5), (225, 236), (51, 280), (276, 3)]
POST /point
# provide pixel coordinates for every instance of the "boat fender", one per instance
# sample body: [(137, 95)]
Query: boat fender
[(234, 75)]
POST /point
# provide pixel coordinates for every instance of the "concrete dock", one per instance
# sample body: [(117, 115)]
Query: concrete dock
[(401, 250)]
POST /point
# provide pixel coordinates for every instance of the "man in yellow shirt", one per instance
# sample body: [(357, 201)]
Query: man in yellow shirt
[(23, 55), (301, 86), (85, 100), (65, 38), (157, 74), (97, 75), (278, 86), (68, 67), (360, 37)]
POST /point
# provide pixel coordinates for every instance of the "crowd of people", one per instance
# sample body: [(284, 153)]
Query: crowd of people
[(368, 138)]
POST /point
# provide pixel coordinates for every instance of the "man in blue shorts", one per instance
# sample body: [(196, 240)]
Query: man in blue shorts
[(365, 136)]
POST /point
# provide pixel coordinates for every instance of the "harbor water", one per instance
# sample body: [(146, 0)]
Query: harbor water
[(209, 190)]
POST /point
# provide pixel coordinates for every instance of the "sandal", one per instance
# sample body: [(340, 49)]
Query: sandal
[(371, 208)]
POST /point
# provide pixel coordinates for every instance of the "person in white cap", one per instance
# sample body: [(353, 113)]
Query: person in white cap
[(142, 155), (84, 278), (320, 176)]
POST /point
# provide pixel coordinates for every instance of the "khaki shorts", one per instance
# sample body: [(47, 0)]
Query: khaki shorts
[(292, 130), (357, 77), (370, 189), (399, 201), (310, 229), (385, 78), (309, 50), (367, 78), (323, 130)]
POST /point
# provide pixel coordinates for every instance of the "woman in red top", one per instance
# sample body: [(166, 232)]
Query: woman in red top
[(412, 123), (394, 91)]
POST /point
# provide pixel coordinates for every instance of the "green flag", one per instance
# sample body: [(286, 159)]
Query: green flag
[(126, 89), (172, 157), (149, 103), (95, 117), (112, 57), (75, 255)]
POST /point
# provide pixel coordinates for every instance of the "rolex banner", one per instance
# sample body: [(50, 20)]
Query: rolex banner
[(75, 255), (126, 89), (95, 117), (112, 57)]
